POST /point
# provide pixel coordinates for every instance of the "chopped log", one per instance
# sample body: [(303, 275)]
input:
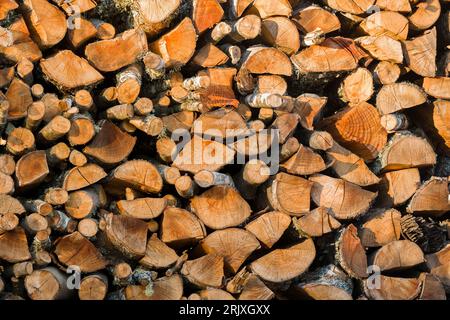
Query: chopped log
[(68, 71), (269, 227), (137, 174), (60, 222), (83, 100), (239, 6), (389, 23), (310, 18), (325, 283), (345, 199), (166, 149), (209, 56), (178, 46), (204, 272), (81, 177), (393, 288), (426, 15), (8, 222), (205, 14), (14, 246), (432, 288), (430, 198), (386, 72), (93, 287), (154, 16), (113, 54), (304, 162), (419, 153), (221, 207), (77, 158), (382, 47), (120, 112), (110, 144), (289, 148), (129, 83), (47, 24), (86, 31), (420, 54), (423, 231), (158, 255), (350, 167), (273, 266), (264, 60), (316, 223), (309, 107), (128, 235), (438, 264), (151, 125), (350, 253), (358, 129), (35, 114), (380, 227), (437, 87), (180, 228), (6, 76), (55, 129), (6, 7), (7, 164), (398, 186), (397, 255), (353, 7), (9, 204), (393, 122), (33, 223), (165, 288), (19, 98), (104, 30), (281, 33), (255, 289), (56, 196), (24, 70), (266, 9), (143, 208), (6, 184), (399, 96), (82, 203), (88, 228), (47, 284), (357, 87), (282, 194), (231, 124), (206, 179), (233, 244), (31, 169), (20, 140), (219, 92), (271, 84)]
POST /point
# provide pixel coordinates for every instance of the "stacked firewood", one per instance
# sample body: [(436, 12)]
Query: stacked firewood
[(214, 149)]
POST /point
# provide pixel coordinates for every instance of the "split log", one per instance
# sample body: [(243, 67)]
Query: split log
[(205, 14), (398, 186), (269, 227), (180, 228), (382, 47), (165, 288), (432, 288), (209, 56), (392, 288), (430, 198), (158, 255), (93, 287), (47, 284), (316, 223), (6, 184), (104, 30), (271, 84), (346, 200), (399, 96), (358, 129), (238, 6), (420, 54), (426, 15), (289, 148), (177, 46), (154, 16), (380, 227), (20, 140), (110, 145), (264, 60), (390, 23), (31, 169), (357, 87), (88, 228), (35, 114), (397, 255), (253, 174), (143, 208), (68, 71), (304, 162), (113, 54), (266, 9), (86, 31), (437, 87), (81, 177), (354, 7), (83, 203), (60, 222), (233, 244), (7, 164), (56, 196), (206, 179), (350, 254), (221, 207), (129, 84), (6, 7), (386, 72), (14, 246), (204, 272), (255, 289), (438, 264), (311, 18), (8, 222), (19, 98), (9, 204), (309, 107), (273, 266), (77, 158), (281, 33)]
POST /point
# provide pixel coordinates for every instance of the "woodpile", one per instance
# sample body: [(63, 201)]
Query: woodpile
[(221, 150)]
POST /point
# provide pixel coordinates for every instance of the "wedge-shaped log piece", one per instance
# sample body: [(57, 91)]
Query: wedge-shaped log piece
[(397, 255), (350, 167), (47, 24), (68, 71), (281, 265), (262, 60), (425, 15), (177, 46), (209, 56), (286, 124), (357, 87), (271, 8), (304, 162), (142, 208), (219, 92), (200, 154), (281, 33), (398, 186), (358, 128), (113, 54), (165, 288), (158, 255), (31, 169), (204, 272), (437, 87), (350, 253), (221, 207), (82, 177), (155, 15), (47, 284), (138, 174), (399, 96), (289, 194), (6, 6), (420, 54), (110, 145), (221, 123), (19, 98), (333, 55), (180, 228), (237, 7), (399, 6), (380, 227), (255, 289), (326, 283), (350, 6), (312, 17), (269, 227), (406, 150), (432, 288), (234, 245), (10, 205), (205, 14), (316, 223), (431, 198), (14, 246), (128, 235), (308, 107), (439, 265), (383, 48), (74, 249), (392, 288), (345, 199), (386, 22)]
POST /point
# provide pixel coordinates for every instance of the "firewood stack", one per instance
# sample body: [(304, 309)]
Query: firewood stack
[(327, 123)]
